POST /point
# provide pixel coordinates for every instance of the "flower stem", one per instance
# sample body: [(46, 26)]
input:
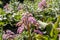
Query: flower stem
[(28, 26)]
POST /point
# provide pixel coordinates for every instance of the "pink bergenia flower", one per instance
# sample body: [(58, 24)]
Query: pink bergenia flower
[(8, 35), (32, 20), (20, 29), (38, 31), (9, 32), (5, 36), (42, 4), (7, 8)]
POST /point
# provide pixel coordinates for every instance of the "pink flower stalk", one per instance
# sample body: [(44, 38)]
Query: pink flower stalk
[(38, 31), (29, 18), (42, 4), (26, 20)]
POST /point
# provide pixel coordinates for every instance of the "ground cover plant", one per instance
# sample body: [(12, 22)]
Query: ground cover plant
[(30, 20)]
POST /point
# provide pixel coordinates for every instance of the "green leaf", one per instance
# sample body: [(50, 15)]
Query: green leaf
[(49, 28)]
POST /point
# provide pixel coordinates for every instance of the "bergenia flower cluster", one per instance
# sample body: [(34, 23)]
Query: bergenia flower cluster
[(8, 34), (42, 4), (7, 8), (26, 19), (19, 7)]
